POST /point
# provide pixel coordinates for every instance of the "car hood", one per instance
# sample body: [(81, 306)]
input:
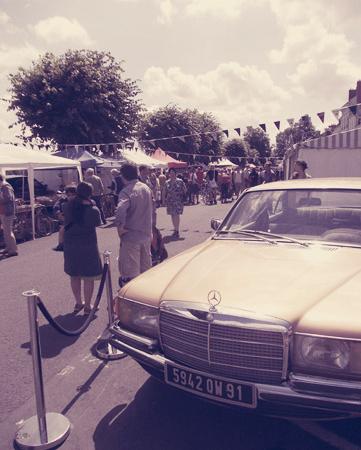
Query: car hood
[(315, 288)]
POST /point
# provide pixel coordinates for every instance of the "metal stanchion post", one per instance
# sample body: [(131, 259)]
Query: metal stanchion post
[(45, 430), (104, 349)]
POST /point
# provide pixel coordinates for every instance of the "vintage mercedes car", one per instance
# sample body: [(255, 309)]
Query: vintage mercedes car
[(266, 314)]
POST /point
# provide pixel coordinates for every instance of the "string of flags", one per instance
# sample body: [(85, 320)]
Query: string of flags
[(154, 142), (118, 147)]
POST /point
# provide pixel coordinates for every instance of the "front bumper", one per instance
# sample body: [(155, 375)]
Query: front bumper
[(299, 396)]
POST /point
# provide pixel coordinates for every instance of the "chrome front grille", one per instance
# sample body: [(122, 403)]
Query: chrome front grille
[(235, 351)]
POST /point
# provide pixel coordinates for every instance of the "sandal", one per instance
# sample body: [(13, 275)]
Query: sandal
[(88, 310), (78, 307)]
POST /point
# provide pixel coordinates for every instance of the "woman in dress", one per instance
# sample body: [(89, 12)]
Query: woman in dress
[(81, 254), (175, 191)]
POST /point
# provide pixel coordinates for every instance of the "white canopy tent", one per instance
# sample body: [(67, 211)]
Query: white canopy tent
[(21, 158), (140, 158), (223, 162)]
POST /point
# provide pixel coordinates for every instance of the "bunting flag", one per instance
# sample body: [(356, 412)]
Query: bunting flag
[(225, 132), (353, 109), (305, 117), (177, 155), (277, 124), (238, 131), (336, 113), (182, 138), (291, 122), (321, 116), (263, 126)]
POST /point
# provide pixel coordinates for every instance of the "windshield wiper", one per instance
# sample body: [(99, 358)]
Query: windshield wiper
[(247, 233), (278, 236)]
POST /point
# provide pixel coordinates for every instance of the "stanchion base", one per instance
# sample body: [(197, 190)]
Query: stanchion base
[(28, 436), (107, 352)]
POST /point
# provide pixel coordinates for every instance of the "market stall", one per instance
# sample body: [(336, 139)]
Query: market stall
[(161, 156), (223, 162), (140, 158), (21, 158)]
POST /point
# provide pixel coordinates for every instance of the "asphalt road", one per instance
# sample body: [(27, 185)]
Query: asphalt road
[(116, 405)]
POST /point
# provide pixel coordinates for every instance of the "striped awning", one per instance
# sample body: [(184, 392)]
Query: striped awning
[(345, 139)]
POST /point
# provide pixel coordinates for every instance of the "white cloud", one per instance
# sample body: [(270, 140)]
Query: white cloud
[(4, 18), (167, 10), (12, 57), (234, 93), (230, 9), (316, 49), (58, 30)]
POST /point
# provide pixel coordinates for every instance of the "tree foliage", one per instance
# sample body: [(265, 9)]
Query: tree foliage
[(298, 132), (78, 97), (172, 121), (234, 149), (257, 139)]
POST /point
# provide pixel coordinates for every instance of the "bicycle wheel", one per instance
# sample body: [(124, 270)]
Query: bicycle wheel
[(43, 225)]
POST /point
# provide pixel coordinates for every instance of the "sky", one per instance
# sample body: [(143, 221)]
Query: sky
[(245, 61)]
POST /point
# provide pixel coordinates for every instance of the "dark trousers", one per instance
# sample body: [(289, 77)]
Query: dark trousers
[(97, 199)]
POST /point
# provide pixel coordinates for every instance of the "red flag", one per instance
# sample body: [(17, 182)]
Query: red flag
[(238, 131), (277, 124), (225, 132), (263, 126)]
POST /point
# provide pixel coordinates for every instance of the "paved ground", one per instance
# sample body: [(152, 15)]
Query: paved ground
[(116, 405)]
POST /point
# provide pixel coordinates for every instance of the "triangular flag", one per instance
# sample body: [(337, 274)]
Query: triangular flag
[(182, 138), (353, 109), (277, 124), (263, 126), (98, 147), (305, 117), (225, 132), (238, 131), (321, 116), (177, 154), (336, 113), (290, 122)]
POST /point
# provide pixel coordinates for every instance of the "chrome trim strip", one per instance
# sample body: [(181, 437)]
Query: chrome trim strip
[(148, 342), (321, 381), (249, 355), (136, 301), (298, 333)]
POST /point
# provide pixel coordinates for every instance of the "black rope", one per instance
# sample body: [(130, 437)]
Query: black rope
[(85, 325)]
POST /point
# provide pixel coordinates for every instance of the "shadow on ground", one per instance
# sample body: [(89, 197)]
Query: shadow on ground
[(53, 342), (161, 417)]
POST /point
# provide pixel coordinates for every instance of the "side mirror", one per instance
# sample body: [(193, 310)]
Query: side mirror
[(215, 223)]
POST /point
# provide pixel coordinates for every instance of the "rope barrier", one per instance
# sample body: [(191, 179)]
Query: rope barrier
[(85, 325)]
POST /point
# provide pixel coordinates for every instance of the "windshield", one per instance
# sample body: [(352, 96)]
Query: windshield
[(332, 216)]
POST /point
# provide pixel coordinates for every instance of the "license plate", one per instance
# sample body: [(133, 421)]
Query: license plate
[(214, 388)]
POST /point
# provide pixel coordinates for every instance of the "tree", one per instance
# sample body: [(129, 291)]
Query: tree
[(257, 139), (235, 149), (296, 133), (76, 98), (171, 120)]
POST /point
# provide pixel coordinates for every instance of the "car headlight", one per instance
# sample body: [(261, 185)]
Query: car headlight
[(319, 353), (139, 318)]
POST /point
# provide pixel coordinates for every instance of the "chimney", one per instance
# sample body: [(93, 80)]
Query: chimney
[(351, 94), (358, 92)]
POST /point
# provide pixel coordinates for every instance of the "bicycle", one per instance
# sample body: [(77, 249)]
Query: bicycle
[(108, 205), (206, 195), (23, 223)]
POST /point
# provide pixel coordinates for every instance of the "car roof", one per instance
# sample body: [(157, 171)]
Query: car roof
[(311, 183)]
